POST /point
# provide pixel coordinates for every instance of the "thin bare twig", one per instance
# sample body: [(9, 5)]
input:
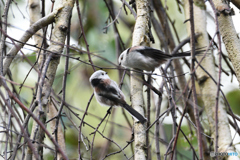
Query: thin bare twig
[(36, 119)]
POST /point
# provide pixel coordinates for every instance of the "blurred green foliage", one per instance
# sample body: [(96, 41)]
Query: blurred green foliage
[(233, 98)]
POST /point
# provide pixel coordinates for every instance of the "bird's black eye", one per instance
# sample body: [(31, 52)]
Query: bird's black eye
[(102, 73), (121, 58)]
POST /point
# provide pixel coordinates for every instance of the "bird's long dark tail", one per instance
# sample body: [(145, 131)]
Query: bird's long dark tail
[(187, 53), (134, 113)]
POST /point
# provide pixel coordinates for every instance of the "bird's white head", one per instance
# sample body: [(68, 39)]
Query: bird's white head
[(123, 57), (100, 74)]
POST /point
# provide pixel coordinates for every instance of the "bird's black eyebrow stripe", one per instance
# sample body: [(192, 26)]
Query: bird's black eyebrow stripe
[(128, 50), (95, 82)]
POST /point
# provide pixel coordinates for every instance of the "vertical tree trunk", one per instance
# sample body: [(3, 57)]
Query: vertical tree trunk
[(60, 138), (35, 15), (141, 30)]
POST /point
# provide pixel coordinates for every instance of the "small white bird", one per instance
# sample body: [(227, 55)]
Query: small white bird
[(146, 58), (108, 93)]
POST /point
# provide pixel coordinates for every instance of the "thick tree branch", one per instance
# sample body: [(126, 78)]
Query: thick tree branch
[(28, 34)]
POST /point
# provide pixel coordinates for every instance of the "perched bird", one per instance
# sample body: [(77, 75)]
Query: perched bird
[(146, 58), (108, 93)]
